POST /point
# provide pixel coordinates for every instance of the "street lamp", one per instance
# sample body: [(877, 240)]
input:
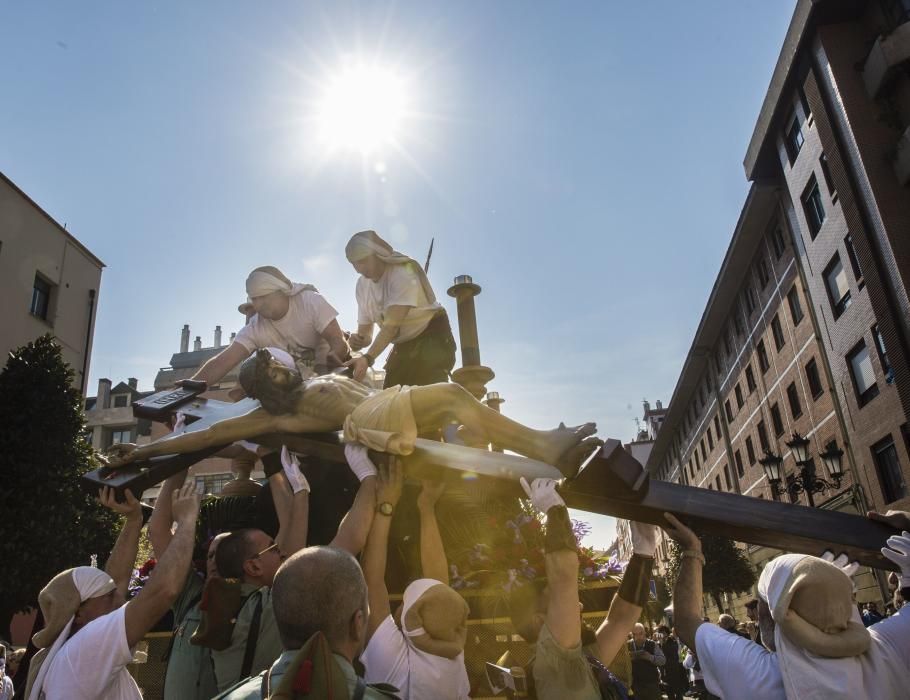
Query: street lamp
[(806, 481)]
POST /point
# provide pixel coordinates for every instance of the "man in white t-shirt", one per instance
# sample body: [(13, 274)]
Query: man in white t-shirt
[(283, 314), (815, 643), (89, 632)]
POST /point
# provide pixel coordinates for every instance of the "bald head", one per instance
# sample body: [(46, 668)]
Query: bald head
[(726, 622), (319, 589), (638, 633)]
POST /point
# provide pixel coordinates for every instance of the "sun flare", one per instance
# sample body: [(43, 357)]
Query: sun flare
[(362, 108)]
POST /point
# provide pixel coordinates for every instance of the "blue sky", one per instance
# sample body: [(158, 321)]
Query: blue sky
[(581, 160)]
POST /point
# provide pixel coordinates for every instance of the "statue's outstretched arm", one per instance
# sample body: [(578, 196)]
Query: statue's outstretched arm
[(224, 432)]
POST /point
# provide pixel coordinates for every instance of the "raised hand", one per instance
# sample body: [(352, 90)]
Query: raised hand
[(185, 504), (542, 493), (842, 562), (131, 508), (644, 538), (898, 551), (681, 534), (430, 493), (391, 480)]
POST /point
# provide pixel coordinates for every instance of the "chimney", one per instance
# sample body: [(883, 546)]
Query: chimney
[(133, 382), (104, 394), (197, 344), (217, 336), (185, 338), (659, 405), (233, 335)]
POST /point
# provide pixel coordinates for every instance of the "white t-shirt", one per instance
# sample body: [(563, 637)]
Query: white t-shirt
[(92, 663), (398, 286), (389, 659), (736, 667), (299, 331)]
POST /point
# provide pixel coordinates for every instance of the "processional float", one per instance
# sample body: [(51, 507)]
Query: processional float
[(609, 481)]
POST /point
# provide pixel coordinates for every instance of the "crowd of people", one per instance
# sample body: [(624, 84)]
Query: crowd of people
[(258, 614)]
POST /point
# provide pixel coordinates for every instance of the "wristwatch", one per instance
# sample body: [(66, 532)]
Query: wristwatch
[(385, 508)]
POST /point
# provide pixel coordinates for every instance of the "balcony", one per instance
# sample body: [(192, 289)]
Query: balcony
[(888, 52)]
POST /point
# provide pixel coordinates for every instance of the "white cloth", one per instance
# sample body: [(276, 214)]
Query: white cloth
[(736, 667), (259, 283), (298, 332), (391, 657), (90, 583), (6, 688), (882, 673), (400, 285), (92, 663)]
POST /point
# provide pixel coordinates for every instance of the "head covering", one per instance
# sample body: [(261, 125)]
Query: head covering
[(430, 676), (366, 243), (268, 279), (823, 649), (60, 600)]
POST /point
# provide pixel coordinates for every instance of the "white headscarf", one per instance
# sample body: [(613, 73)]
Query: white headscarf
[(368, 243), (871, 670), (60, 600), (430, 676), (268, 279)]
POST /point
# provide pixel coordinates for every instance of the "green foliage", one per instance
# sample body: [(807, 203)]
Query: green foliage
[(727, 569), (49, 521)]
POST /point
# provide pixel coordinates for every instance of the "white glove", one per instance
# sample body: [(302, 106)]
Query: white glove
[(542, 493), (898, 551), (644, 538), (291, 466), (359, 461), (842, 562)]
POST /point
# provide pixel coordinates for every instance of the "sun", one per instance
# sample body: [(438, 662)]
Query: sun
[(362, 108)]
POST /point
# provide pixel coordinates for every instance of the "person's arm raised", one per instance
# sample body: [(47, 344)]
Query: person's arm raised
[(433, 560), (627, 604), (214, 369), (563, 617), (355, 526), (292, 534), (376, 552), (169, 576), (687, 593), (120, 563), (162, 519)]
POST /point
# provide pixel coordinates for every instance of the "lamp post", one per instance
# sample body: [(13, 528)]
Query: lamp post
[(806, 481)]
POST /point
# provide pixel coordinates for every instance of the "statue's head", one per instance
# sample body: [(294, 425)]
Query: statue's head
[(265, 378)]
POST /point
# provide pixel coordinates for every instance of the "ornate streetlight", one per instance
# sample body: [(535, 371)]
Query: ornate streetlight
[(806, 481)]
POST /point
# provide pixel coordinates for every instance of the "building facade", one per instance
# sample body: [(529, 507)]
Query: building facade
[(806, 327), (49, 281), (109, 416)]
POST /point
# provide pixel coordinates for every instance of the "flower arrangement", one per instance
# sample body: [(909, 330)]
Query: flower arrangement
[(140, 576), (514, 553)]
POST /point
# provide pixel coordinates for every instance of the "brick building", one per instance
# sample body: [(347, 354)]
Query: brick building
[(806, 328)]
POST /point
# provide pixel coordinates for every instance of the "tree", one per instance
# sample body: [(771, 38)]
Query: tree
[(50, 523), (727, 569)]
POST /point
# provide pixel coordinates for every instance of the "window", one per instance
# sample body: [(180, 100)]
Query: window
[(749, 298), (883, 355), (793, 138), (761, 269), (212, 483), (762, 356), (778, 333), (815, 381), (697, 460), (889, 470), (796, 309), (727, 346), (121, 435), (750, 450), (796, 410), (727, 477), (776, 420), (777, 242), (854, 261), (737, 325), (704, 453), (729, 411), (717, 425), (812, 207), (717, 482), (41, 297), (763, 437), (862, 373), (739, 396), (826, 173), (710, 438), (750, 379), (121, 401), (836, 284), (738, 458)]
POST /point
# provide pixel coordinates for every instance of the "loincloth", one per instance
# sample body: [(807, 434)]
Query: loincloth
[(384, 422)]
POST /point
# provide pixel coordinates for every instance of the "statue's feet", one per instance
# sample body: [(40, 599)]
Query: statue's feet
[(557, 443)]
